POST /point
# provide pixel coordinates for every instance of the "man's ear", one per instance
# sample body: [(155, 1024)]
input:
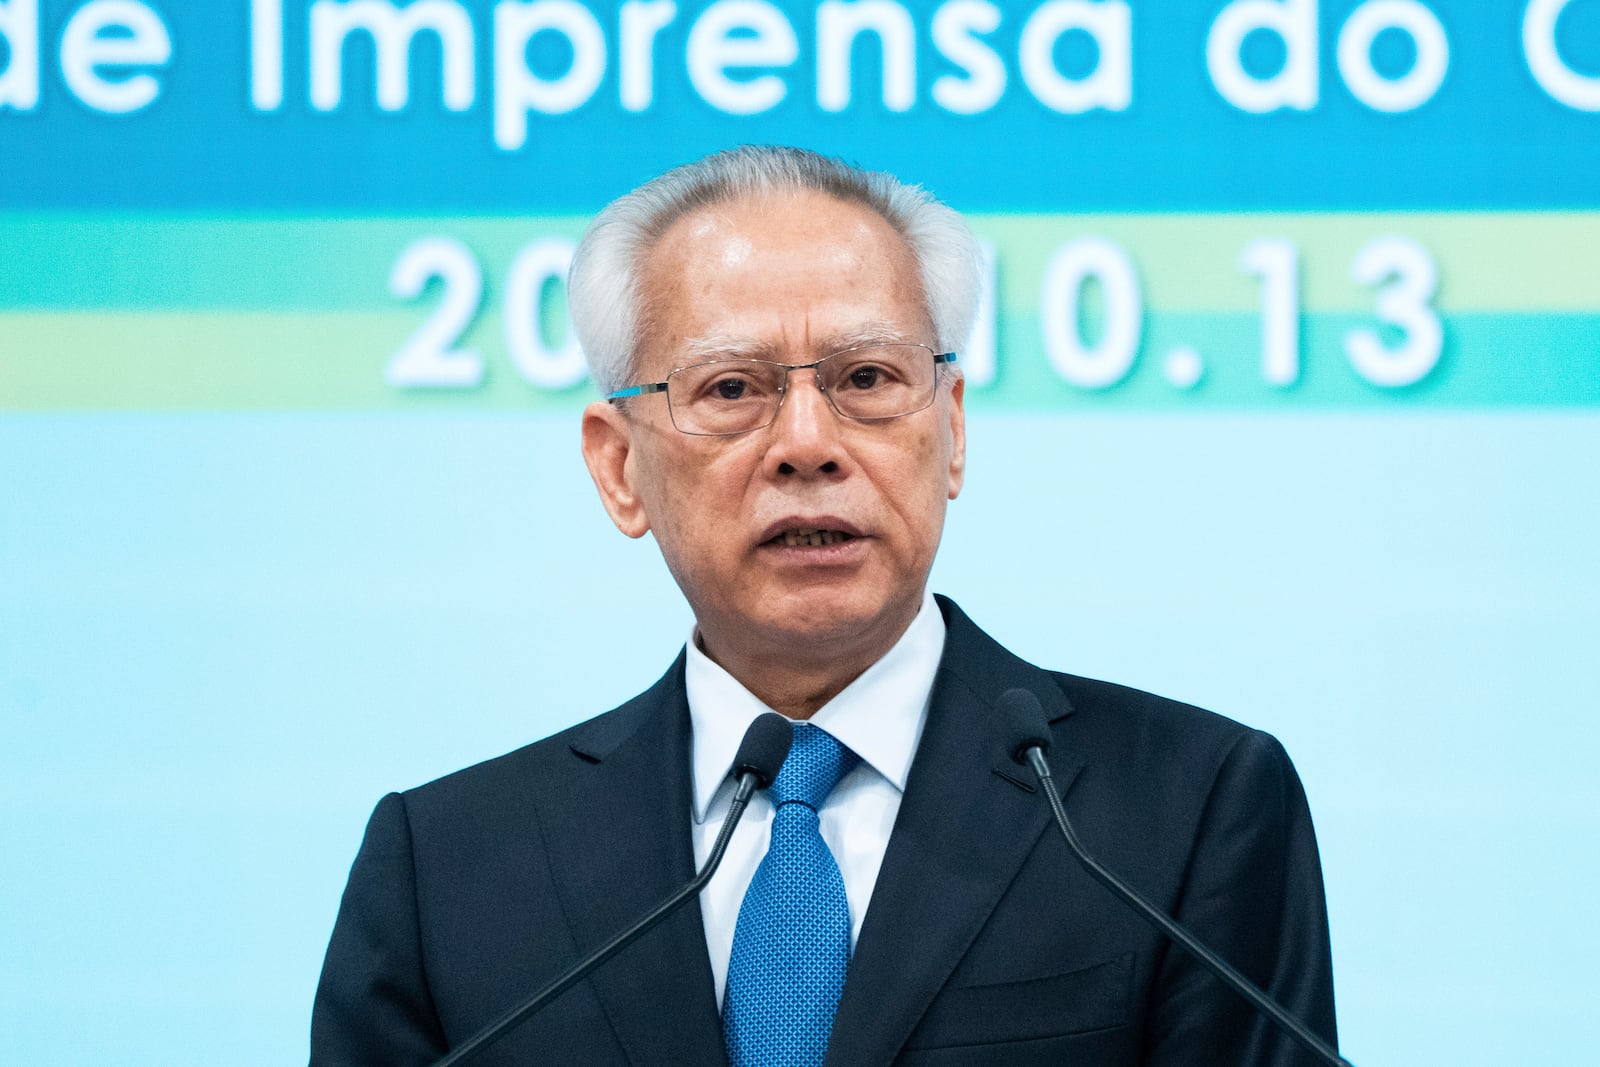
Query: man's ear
[(608, 453), (958, 436)]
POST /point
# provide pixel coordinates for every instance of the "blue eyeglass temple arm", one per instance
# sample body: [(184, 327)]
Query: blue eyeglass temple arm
[(661, 387), (637, 390)]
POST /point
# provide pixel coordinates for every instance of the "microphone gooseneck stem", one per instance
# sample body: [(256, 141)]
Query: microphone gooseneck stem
[(498, 1029), (1184, 939)]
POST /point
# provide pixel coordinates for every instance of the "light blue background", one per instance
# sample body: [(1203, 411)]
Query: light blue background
[(223, 637)]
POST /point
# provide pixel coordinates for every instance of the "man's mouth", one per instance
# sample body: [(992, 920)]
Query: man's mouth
[(807, 537)]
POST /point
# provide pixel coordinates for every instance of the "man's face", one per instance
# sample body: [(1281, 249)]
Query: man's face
[(791, 278)]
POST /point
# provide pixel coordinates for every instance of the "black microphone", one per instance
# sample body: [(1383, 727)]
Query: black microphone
[(1031, 738), (761, 753)]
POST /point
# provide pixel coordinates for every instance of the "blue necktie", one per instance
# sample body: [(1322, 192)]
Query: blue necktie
[(792, 942)]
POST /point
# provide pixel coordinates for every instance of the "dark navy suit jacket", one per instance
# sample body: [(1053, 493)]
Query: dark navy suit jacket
[(985, 942)]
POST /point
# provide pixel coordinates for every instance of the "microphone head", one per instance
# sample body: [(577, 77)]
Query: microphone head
[(764, 748), (1026, 727)]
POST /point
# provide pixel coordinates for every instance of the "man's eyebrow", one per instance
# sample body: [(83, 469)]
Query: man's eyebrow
[(876, 333), (726, 346)]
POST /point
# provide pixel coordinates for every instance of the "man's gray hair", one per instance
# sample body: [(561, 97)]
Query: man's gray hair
[(603, 287)]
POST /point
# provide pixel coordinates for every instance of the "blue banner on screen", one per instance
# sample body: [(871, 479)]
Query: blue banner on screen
[(556, 106)]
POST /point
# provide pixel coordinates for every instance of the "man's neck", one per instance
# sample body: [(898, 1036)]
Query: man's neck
[(794, 685), (786, 687)]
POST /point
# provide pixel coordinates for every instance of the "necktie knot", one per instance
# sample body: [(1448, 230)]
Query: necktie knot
[(815, 763)]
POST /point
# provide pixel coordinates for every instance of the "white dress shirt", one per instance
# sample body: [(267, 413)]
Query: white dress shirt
[(879, 717)]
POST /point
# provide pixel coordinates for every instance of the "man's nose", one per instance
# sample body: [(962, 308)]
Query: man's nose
[(806, 432)]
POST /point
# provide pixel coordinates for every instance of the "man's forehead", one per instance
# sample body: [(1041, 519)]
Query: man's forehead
[(787, 276), (759, 235)]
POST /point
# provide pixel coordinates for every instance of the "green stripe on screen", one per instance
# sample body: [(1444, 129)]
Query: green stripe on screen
[(335, 361), (1490, 261), (238, 361)]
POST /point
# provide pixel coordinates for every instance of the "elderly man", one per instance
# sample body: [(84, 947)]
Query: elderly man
[(775, 332)]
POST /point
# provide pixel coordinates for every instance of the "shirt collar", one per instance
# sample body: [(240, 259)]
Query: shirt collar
[(879, 716)]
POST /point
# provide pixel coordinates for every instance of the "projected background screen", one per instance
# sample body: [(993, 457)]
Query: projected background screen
[(1284, 399)]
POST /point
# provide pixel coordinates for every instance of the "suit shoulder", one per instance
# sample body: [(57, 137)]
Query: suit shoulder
[(536, 758), (1137, 720), (1181, 766), (1107, 720), (539, 767)]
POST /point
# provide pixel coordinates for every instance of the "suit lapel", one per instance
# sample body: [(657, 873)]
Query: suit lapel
[(619, 844), (969, 817)]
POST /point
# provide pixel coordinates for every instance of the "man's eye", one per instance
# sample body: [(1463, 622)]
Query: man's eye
[(864, 377), (729, 388)]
